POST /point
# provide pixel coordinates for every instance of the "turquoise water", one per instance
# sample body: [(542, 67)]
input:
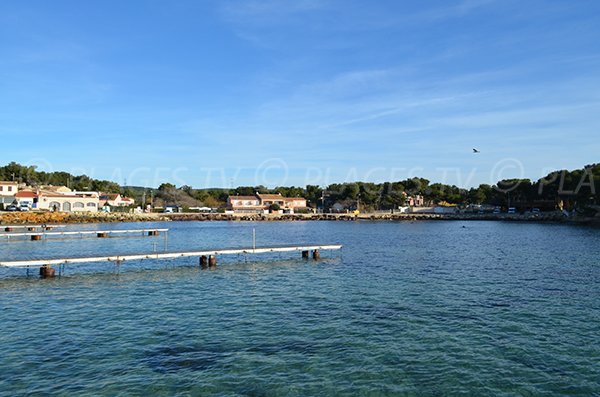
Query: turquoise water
[(423, 309)]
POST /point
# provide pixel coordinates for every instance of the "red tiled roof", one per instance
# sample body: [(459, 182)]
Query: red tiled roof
[(270, 196), (26, 193)]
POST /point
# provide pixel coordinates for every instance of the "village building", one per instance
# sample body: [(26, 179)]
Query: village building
[(55, 189), (68, 202), (115, 200), (25, 197), (249, 204), (416, 201), (261, 203), (52, 201), (7, 192)]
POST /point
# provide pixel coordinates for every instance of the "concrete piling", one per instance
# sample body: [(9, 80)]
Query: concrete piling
[(46, 271), (316, 255), (203, 261)]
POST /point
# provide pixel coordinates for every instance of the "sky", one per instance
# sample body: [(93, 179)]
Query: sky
[(279, 93)]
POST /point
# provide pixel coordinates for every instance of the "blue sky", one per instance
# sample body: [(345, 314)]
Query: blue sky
[(221, 93)]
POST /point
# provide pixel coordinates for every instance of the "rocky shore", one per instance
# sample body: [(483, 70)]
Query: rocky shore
[(24, 218), (15, 218), (544, 217)]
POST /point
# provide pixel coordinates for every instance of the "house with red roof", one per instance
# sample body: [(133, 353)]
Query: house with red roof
[(260, 203), (115, 200)]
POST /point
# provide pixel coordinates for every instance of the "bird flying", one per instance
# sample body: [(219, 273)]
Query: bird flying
[(476, 151)]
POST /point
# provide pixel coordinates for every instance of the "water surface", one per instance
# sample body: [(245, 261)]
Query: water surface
[(424, 308)]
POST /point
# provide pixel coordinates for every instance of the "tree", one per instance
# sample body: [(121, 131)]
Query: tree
[(128, 192), (313, 195), (165, 187)]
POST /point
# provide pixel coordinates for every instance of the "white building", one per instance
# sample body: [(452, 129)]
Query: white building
[(7, 192), (52, 201)]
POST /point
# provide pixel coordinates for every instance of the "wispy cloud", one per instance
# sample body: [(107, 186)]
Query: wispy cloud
[(456, 10), (267, 11)]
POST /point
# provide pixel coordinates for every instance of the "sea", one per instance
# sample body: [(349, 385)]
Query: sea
[(425, 308)]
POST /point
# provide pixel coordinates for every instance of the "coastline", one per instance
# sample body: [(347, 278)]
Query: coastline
[(24, 218)]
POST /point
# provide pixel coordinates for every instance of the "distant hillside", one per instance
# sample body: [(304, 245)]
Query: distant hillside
[(569, 189)]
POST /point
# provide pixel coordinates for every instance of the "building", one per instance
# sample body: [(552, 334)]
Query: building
[(68, 202), (52, 201), (244, 204), (55, 189), (26, 197), (115, 200), (7, 192), (416, 201), (261, 203)]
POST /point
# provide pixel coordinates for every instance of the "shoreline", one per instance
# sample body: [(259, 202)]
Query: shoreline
[(25, 218)]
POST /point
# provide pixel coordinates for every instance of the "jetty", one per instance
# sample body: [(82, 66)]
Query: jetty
[(207, 258), (10, 228), (81, 233)]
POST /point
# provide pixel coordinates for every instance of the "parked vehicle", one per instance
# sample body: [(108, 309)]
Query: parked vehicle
[(535, 211), (23, 207), (12, 207), (512, 210)]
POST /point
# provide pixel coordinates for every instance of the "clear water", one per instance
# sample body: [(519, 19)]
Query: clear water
[(424, 309)]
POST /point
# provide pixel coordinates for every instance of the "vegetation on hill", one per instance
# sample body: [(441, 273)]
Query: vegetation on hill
[(575, 188)]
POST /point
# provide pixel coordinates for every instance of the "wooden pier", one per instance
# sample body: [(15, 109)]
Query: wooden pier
[(207, 257)]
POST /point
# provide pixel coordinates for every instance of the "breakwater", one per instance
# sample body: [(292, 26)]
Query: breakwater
[(16, 218), (34, 217), (380, 216)]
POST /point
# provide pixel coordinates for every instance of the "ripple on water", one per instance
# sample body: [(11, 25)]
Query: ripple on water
[(421, 309)]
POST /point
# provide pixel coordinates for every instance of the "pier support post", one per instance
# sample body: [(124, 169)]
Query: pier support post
[(203, 261), (36, 237), (212, 261), (102, 235), (316, 255), (304, 254), (46, 271)]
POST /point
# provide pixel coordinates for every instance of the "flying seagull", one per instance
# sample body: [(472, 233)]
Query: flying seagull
[(475, 150)]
